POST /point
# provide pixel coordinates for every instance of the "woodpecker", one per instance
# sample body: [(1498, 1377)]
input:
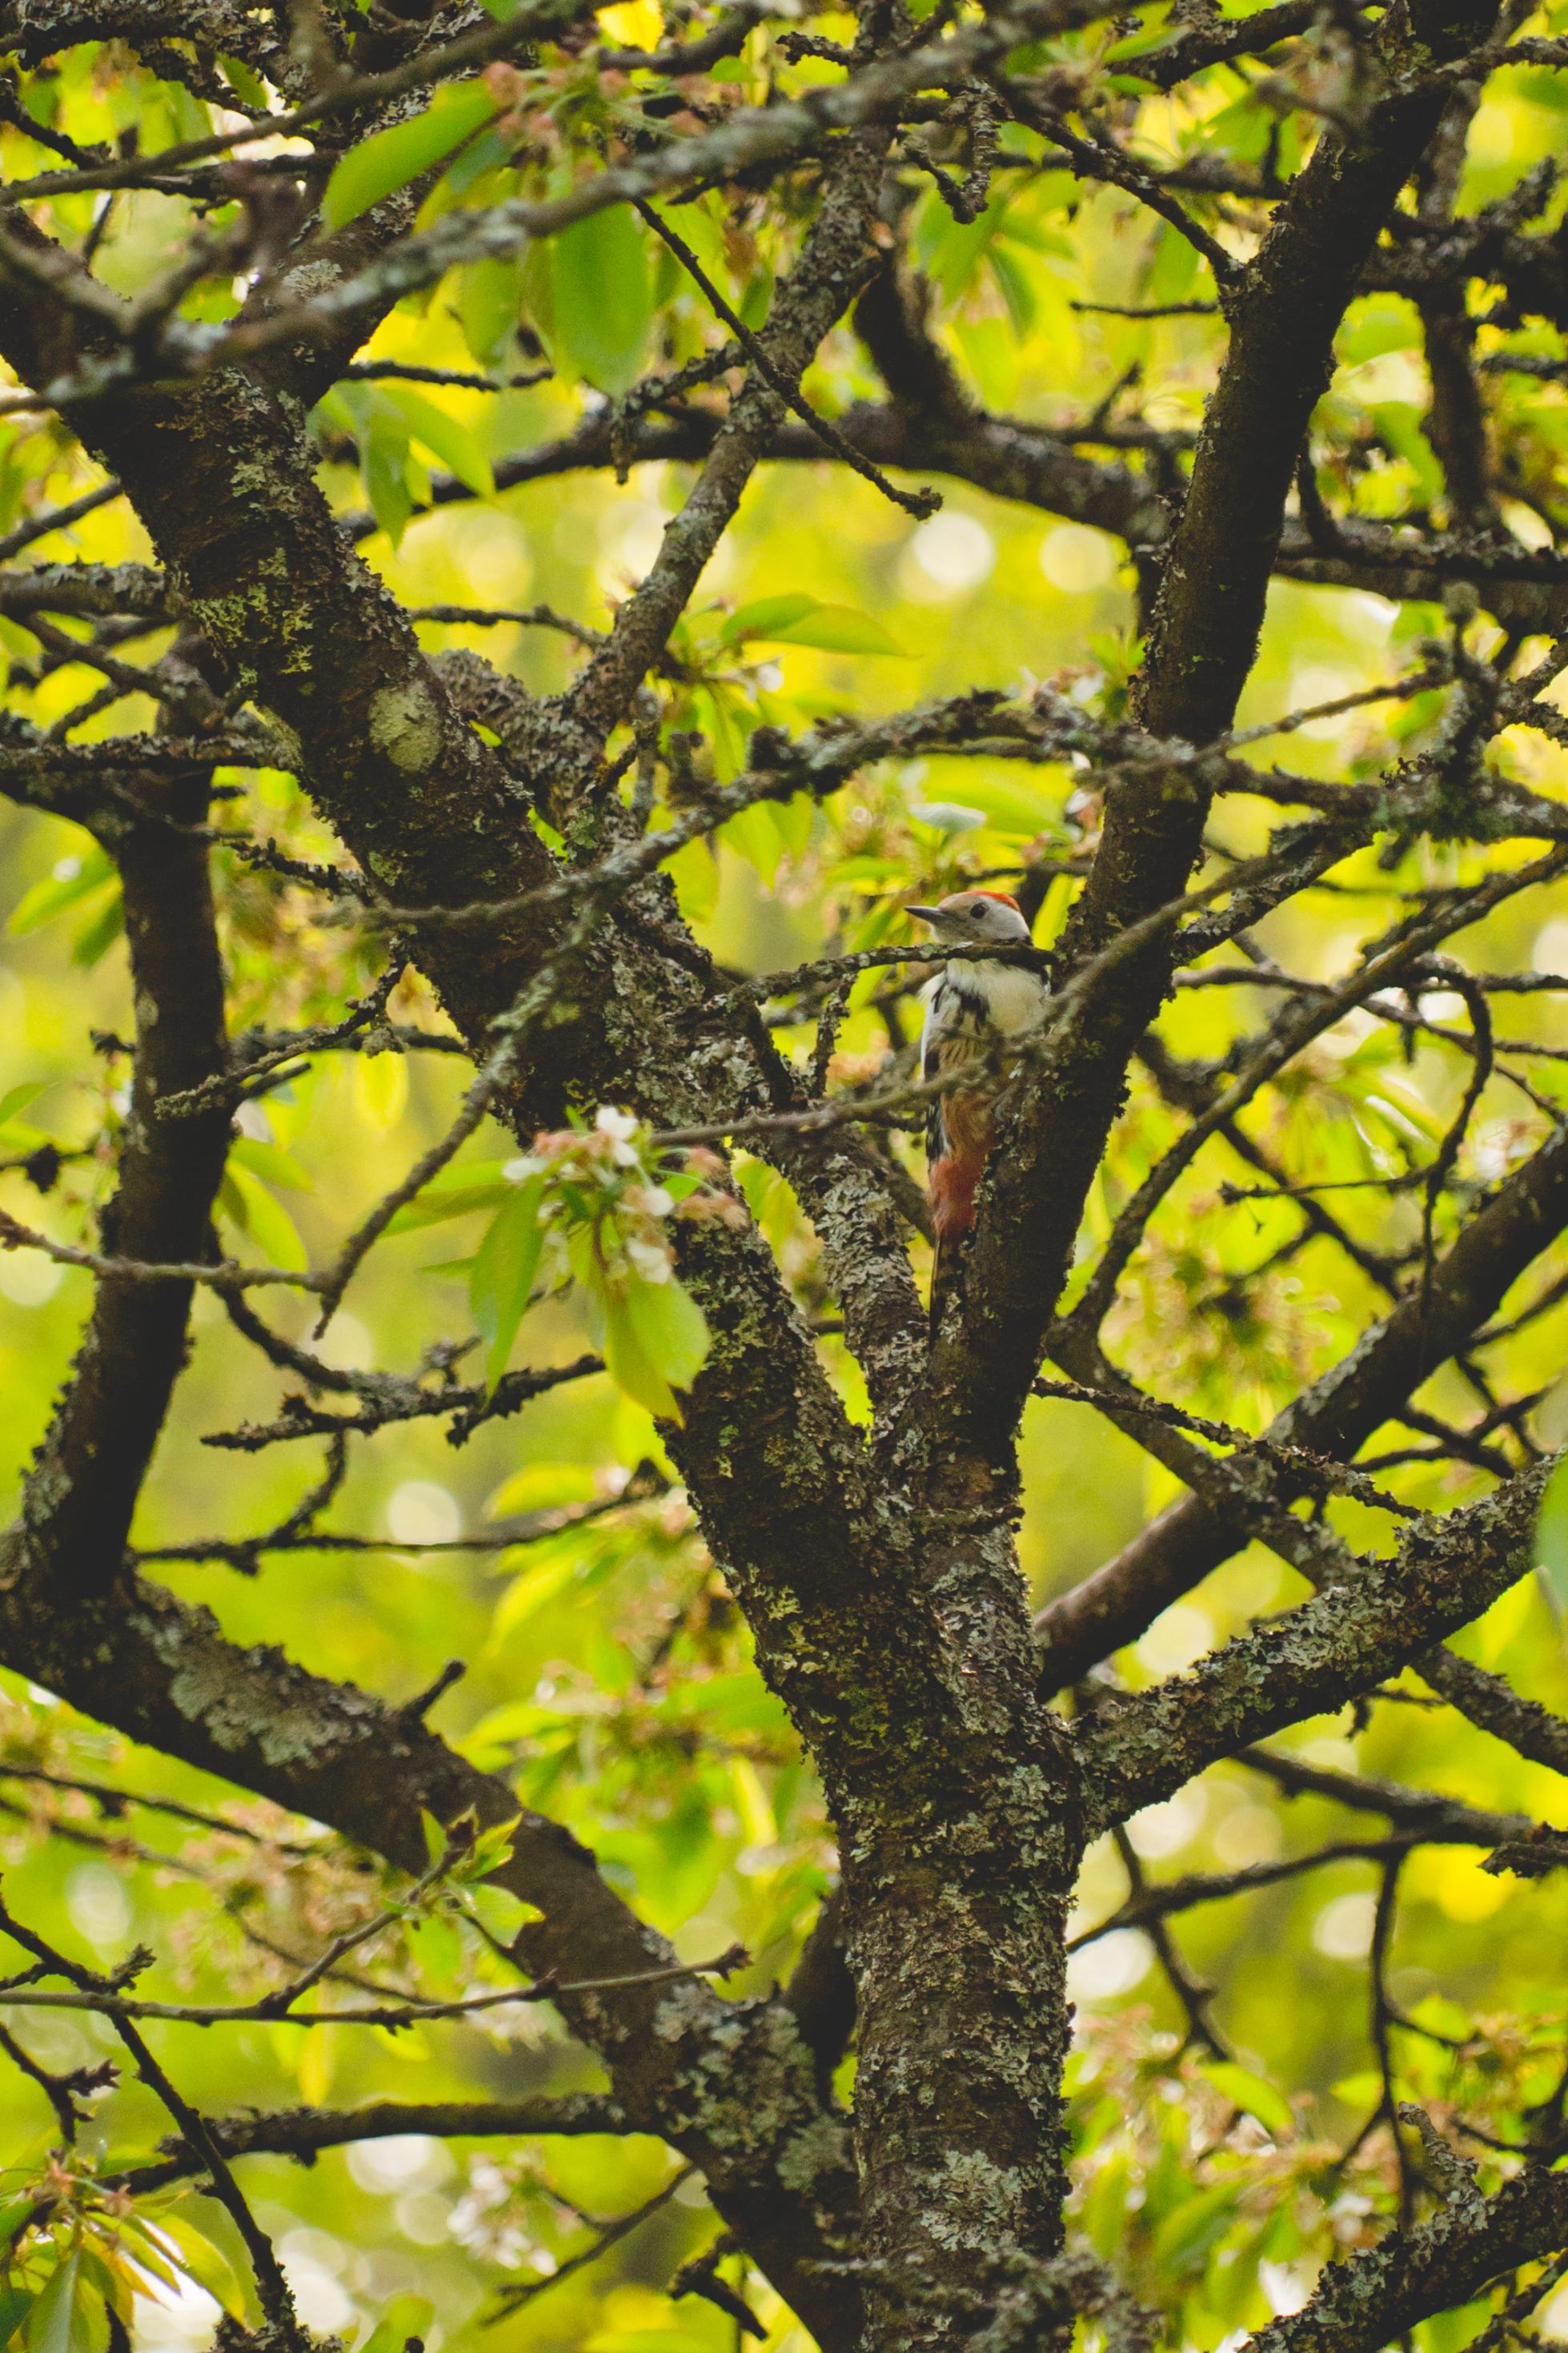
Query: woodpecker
[(970, 1006)]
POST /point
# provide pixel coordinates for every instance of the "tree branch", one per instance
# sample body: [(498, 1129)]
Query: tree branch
[(1335, 1415), (1344, 1641)]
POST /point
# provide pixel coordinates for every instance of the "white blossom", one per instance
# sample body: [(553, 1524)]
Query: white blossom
[(651, 1261), (649, 1200)]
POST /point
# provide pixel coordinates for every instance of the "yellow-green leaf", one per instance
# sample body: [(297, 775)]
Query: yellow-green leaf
[(478, 1185), (671, 1328), (500, 1911), (602, 298), (72, 881), (203, 2263), (391, 158), (270, 1162), (16, 2302), (405, 2317), (246, 1201), (833, 629), (488, 298), (765, 616), (56, 2323), (631, 1367), (504, 1273), (1250, 2092), (447, 439)]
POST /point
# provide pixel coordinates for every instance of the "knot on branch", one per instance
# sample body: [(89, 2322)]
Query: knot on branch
[(1454, 2175), (415, 1710), (1545, 1850)]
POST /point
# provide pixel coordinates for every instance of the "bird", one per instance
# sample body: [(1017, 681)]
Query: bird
[(971, 1006)]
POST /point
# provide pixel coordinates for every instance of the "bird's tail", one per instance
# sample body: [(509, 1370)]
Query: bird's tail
[(955, 1182)]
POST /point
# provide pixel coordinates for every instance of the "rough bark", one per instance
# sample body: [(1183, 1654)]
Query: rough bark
[(88, 1474)]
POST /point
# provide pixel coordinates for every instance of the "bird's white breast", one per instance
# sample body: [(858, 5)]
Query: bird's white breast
[(1015, 1000)]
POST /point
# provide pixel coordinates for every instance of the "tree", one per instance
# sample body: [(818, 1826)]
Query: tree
[(1267, 308)]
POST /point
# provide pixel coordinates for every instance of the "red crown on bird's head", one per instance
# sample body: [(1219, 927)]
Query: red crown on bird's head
[(1005, 896)]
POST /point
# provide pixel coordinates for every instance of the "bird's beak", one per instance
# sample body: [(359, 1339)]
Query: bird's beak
[(928, 914)]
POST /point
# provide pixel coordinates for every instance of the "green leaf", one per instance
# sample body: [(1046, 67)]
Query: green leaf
[(1248, 2091), (1176, 269), (541, 1486), (384, 456), (694, 871), (1551, 1542), (1192, 2230), (1016, 286), (17, 1098), (207, 2264), (438, 1946), (752, 834), (721, 715), (1400, 424), (16, 2302), (491, 1848), (14, 2213), (109, 2281), (835, 629), (1383, 323), (246, 1201), (655, 1337), (766, 615), (1449, 2332), (550, 1571), (478, 1185), (502, 1911), (488, 298), (504, 1273), (671, 1327), (74, 880), (56, 2323), (147, 2253), (247, 85), (477, 176), (447, 439), (270, 1162), (602, 298), (391, 158), (631, 1367), (100, 930), (405, 2317)]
